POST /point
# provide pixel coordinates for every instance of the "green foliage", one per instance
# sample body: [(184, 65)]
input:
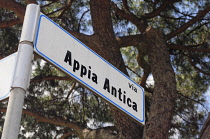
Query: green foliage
[(191, 84), (56, 99), (129, 55), (8, 41), (50, 99)]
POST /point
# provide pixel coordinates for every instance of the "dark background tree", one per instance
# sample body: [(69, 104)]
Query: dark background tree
[(164, 39)]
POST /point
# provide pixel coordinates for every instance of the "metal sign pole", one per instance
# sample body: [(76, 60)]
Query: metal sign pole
[(22, 73)]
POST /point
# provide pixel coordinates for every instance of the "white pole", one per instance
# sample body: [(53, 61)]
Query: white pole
[(22, 73)]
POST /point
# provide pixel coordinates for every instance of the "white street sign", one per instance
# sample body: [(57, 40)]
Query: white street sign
[(6, 74), (77, 60)]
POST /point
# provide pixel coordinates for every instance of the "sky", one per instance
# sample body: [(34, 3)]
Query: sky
[(208, 98), (7, 69), (6, 72)]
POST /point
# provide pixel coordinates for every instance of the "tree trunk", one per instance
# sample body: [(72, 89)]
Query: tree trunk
[(106, 46), (164, 95), (205, 132)]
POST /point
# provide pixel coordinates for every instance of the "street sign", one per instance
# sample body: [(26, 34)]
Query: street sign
[(77, 60), (6, 73)]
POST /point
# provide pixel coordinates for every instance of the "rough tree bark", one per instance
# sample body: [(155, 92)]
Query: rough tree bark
[(164, 95), (104, 42), (205, 132), (107, 46)]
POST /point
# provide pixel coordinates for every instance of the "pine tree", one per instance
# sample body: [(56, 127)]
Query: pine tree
[(164, 39)]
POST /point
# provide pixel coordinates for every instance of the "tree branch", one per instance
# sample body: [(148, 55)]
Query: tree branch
[(194, 65), (125, 5), (173, 18), (198, 27), (200, 15), (58, 10), (133, 71), (148, 89), (141, 24), (183, 118), (72, 88), (159, 9), (61, 122), (39, 79), (188, 48), (18, 8), (80, 131), (31, 1), (10, 23), (144, 79), (180, 94), (81, 19), (66, 8), (132, 40), (204, 134)]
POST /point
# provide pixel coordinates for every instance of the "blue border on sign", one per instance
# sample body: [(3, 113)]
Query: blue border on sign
[(50, 60)]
